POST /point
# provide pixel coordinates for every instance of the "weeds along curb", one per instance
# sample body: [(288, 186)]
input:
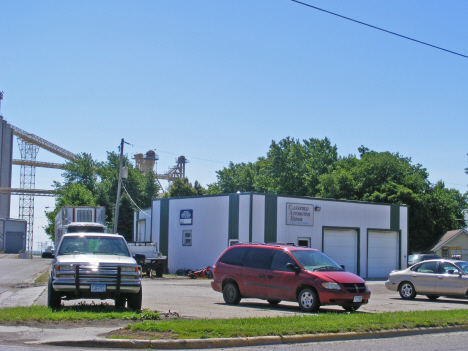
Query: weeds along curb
[(249, 341)]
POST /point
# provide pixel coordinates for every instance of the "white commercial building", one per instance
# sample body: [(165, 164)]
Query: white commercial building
[(369, 239)]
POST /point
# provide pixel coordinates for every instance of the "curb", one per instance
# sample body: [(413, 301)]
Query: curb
[(249, 341)]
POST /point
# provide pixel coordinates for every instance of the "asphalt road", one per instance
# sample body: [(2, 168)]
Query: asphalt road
[(194, 298)]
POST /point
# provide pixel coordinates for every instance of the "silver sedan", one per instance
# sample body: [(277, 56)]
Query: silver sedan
[(432, 278)]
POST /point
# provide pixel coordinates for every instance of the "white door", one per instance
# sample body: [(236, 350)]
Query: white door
[(341, 246), (382, 253)]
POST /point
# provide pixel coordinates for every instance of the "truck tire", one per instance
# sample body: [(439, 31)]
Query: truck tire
[(134, 300), (120, 302), (53, 299), (159, 272)]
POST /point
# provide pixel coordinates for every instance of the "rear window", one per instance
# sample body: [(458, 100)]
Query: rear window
[(234, 256), (85, 229)]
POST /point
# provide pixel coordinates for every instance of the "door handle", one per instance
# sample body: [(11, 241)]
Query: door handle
[(270, 277), (261, 275)]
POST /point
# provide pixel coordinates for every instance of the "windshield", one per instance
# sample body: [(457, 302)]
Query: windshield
[(315, 261), (81, 244), (463, 265)]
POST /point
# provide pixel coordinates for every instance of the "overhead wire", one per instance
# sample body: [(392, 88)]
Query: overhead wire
[(378, 28), (125, 189)]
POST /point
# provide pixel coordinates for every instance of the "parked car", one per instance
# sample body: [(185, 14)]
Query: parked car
[(95, 266), (433, 278), (276, 272), (413, 259)]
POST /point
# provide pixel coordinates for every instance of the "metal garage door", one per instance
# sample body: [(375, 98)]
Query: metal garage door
[(341, 246), (14, 242), (382, 253)]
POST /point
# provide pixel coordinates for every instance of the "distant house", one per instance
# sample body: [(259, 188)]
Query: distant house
[(453, 244)]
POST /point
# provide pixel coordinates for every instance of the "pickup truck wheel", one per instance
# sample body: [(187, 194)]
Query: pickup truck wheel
[(120, 302), (134, 300), (53, 299)]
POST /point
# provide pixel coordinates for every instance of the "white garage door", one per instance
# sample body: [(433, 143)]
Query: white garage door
[(382, 254), (341, 246)]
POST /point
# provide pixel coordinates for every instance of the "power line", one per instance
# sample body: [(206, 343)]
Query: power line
[(381, 29)]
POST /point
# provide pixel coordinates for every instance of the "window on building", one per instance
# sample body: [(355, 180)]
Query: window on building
[(233, 242), (305, 242), (186, 237)]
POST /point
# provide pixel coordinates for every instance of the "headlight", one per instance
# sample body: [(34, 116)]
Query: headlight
[(130, 269), (65, 267), (331, 286)]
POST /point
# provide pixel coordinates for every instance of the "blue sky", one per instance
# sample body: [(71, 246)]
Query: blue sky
[(217, 81)]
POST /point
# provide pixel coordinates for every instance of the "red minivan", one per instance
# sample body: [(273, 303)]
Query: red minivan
[(277, 272)]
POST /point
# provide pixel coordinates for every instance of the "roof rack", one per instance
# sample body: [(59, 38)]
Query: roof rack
[(258, 243)]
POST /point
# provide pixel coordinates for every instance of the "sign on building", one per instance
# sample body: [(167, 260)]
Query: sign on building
[(186, 217), (299, 214)]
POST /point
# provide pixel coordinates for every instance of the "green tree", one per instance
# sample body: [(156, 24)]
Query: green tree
[(391, 178), (100, 180), (181, 187), (73, 194)]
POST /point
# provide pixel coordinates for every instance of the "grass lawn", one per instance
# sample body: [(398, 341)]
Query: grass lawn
[(150, 325)]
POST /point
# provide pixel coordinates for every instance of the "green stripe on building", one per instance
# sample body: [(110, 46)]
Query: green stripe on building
[(271, 214)]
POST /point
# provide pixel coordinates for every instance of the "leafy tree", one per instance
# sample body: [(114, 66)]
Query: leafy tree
[(100, 180), (182, 187), (290, 168), (391, 178)]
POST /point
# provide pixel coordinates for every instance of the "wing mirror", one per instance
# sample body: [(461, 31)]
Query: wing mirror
[(343, 266), (293, 268), (139, 258)]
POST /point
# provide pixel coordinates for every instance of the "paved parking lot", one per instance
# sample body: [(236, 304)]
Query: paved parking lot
[(194, 298)]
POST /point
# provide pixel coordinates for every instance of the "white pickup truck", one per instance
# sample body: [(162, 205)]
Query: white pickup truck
[(154, 260), (95, 266)]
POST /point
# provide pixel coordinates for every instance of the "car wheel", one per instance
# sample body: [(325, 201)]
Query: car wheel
[(407, 291), (120, 302), (53, 299), (351, 308), (134, 300), (274, 302), (433, 297), (231, 294), (308, 300)]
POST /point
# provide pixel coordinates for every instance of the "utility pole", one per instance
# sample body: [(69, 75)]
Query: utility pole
[(116, 215)]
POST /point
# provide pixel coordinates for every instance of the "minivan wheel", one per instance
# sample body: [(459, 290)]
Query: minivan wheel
[(308, 300), (231, 294)]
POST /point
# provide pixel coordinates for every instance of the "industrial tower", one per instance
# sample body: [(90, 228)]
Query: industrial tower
[(29, 145)]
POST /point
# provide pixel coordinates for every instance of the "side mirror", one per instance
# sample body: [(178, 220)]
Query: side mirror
[(48, 254), (293, 268), (139, 258), (342, 266)]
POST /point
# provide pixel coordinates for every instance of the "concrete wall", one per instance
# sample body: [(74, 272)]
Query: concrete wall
[(6, 155)]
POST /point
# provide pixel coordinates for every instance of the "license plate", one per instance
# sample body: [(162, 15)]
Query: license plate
[(98, 288), (357, 299)]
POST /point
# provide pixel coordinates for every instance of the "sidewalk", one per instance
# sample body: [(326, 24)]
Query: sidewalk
[(240, 342)]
